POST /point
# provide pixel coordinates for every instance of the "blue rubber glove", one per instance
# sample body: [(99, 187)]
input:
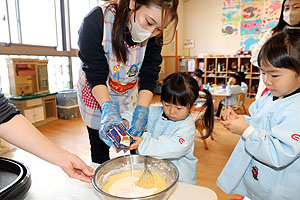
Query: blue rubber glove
[(110, 117), (139, 121)]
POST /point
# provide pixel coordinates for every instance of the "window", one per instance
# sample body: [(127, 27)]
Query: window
[(77, 12), (4, 82), (58, 73), (76, 63), (38, 22), (4, 34), (13, 25)]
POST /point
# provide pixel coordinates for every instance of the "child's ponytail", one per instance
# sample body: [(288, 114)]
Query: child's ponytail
[(208, 118)]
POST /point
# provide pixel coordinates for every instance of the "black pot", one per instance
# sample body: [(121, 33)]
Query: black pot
[(15, 179)]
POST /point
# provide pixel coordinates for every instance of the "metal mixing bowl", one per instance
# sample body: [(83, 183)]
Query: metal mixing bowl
[(117, 165)]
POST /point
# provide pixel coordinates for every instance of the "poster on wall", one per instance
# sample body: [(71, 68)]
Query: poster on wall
[(249, 18), (248, 42), (231, 13), (268, 24), (251, 1), (252, 11), (271, 15), (231, 3), (251, 27), (272, 9), (230, 29)]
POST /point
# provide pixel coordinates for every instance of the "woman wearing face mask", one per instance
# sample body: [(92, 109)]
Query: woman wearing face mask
[(289, 18), (120, 49)]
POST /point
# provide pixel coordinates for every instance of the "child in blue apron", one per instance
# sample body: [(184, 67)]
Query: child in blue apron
[(171, 129), (120, 48), (235, 87), (265, 163)]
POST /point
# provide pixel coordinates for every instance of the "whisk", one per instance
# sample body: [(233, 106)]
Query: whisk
[(146, 180)]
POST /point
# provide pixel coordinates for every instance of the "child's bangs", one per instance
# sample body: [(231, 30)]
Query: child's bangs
[(176, 97)]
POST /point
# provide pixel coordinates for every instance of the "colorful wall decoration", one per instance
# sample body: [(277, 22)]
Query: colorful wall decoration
[(231, 14), (250, 19), (230, 28), (252, 11), (247, 42)]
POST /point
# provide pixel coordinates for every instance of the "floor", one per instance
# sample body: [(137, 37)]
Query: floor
[(72, 135)]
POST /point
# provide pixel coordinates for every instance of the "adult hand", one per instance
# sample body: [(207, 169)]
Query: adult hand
[(139, 121), (236, 126), (110, 117), (74, 167)]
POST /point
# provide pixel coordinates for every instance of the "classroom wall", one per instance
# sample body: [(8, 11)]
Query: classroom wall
[(201, 21), (169, 48)]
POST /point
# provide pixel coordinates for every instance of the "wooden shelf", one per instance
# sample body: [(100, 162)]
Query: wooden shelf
[(25, 72), (228, 65), (27, 76)]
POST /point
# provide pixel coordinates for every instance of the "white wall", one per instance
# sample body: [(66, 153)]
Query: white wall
[(201, 21), (169, 49)]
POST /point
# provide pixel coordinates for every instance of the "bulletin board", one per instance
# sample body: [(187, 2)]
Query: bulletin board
[(250, 19)]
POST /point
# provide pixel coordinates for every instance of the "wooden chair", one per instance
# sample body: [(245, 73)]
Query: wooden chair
[(199, 123), (240, 106)]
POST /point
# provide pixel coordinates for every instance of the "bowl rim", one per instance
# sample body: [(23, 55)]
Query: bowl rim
[(131, 198)]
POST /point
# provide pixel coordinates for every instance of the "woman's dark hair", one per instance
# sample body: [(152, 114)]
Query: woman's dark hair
[(182, 89), (169, 7), (282, 50)]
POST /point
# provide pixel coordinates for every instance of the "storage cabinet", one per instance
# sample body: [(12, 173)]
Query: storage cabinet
[(27, 76), (39, 109), (34, 114), (218, 69)]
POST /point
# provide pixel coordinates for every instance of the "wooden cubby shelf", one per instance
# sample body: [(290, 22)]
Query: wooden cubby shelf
[(218, 69)]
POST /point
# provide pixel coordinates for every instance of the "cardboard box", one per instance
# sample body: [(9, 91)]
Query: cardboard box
[(120, 137)]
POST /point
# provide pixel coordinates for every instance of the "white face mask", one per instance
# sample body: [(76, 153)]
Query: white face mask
[(292, 17), (138, 34)]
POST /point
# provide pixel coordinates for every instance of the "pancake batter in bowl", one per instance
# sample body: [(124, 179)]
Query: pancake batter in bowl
[(122, 185)]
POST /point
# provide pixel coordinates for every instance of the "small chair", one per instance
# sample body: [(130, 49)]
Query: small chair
[(239, 106), (200, 126)]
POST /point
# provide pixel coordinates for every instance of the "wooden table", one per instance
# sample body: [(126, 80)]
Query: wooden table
[(221, 92)]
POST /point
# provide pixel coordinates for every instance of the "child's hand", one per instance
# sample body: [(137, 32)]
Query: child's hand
[(230, 82), (135, 145), (236, 126), (228, 114), (126, 123)]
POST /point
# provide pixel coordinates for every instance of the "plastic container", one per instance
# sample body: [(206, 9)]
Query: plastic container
[(67, 98), (68, 112)]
